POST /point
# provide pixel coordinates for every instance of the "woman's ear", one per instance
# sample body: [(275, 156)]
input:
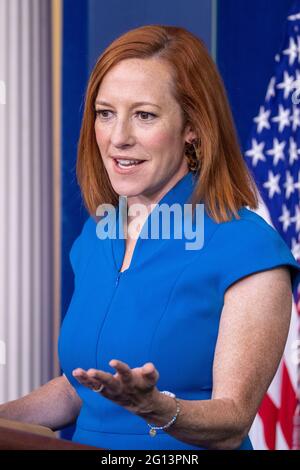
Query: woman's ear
[(190, 134)]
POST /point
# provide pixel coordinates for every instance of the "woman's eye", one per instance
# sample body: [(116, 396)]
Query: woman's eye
[(101, 113), (145, 113)]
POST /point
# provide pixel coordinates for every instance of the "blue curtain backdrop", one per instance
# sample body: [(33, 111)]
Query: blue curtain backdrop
[(88, 27), (111, 19), (74, 77)]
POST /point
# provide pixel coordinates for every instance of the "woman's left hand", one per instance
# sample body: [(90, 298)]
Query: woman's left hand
[(134, 389)]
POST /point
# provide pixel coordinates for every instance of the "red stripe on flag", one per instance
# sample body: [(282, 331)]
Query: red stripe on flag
[(269, 415), (287, 407)]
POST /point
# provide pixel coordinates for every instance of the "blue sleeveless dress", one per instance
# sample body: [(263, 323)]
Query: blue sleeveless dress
[(165, 308)]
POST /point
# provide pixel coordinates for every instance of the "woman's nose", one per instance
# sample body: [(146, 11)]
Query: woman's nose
[(122, 133)]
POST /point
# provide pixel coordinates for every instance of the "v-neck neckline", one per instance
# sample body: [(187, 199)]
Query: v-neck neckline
[(179, 193)]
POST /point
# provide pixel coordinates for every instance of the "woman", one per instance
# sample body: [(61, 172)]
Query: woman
[(165, 347)]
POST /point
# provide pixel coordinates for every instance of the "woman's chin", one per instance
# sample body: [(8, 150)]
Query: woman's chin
[(127, 189)]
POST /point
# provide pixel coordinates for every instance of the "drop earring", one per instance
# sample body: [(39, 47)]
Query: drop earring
[(192, 153)]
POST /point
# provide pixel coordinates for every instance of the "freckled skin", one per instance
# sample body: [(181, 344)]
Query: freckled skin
[(124, 131)]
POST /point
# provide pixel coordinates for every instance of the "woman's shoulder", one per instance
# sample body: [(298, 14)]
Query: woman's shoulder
[(89, 226), (248, 225), (249, 244), (251, 217), (83, 243)]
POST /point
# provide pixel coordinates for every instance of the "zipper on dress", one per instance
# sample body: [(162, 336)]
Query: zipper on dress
[(107, 313), (118, 278)]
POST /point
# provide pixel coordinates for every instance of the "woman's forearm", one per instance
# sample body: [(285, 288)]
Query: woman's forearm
[(54, 405), (214, 424)]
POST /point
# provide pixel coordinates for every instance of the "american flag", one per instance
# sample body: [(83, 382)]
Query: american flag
[(273, 156)]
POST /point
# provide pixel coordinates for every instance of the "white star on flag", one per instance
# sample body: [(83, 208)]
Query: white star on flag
[(296, 85), (283, 118), (285, 218), (295, 118), (293, 151), (297, 185), (262, 119), (287, 85), (271, 89), (294, 17), (292, 51), (288, 185), (256, 152), (296, 248), (298, 47), (272, 184), (296, 218), (277, 151)]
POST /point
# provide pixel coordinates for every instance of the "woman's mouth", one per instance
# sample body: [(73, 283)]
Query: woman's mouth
[(127, 166)]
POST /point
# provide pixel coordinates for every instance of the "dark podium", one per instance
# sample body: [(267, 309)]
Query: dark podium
[(15, 435)]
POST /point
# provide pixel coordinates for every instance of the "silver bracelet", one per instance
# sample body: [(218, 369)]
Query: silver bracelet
[(153, 429)]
